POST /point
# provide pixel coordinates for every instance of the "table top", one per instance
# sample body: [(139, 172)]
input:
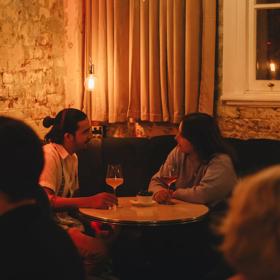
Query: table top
[(129, 212)]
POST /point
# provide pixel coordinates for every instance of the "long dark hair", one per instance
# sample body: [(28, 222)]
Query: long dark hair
[(66, 121), (204, 134)]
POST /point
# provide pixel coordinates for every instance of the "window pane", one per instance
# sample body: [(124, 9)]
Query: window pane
[(267, 1), (268, 44)]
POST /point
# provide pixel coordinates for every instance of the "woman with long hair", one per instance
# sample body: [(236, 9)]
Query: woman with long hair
[(203, 162)]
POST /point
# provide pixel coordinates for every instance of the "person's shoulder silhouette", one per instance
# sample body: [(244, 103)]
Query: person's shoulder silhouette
[(32, 245)]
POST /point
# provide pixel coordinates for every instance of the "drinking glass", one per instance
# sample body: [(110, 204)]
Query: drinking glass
[(169, 175), (114, 176)]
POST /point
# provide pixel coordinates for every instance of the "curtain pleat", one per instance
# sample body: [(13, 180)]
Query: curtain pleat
[(144, 60), (154, 59), (206, 102), (179, 58), (86, 100), (192, 54), (134, 59), (101, 57), (110, 57), (154, 73), (163, 60), (170, 57), (121, 84)]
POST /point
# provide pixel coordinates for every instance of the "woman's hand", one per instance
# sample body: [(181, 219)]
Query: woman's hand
[(163, 196)]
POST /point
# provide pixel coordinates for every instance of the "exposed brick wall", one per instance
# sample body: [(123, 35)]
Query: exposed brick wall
[(33, 76), (249, 122)]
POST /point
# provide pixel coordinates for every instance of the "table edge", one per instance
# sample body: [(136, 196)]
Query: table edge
[(146, 223)]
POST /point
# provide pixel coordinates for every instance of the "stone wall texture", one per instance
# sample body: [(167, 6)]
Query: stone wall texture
[(140, 129), (33, 72), (241, 121)]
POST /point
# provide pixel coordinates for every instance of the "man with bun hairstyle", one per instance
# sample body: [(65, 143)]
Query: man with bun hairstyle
[(32, 245), (69, 133)]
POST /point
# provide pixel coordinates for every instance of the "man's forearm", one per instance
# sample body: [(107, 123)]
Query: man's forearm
[(58, 202)]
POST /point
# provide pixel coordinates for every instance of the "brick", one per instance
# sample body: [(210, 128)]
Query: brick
[(8, 78)]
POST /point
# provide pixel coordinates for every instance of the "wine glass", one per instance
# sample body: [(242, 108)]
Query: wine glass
[(169, 175), (114, 176)]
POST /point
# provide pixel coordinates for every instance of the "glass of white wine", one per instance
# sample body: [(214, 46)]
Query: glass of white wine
[(114, 176)]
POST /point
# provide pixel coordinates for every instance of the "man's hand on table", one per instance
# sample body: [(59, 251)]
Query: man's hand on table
[(100, 201)]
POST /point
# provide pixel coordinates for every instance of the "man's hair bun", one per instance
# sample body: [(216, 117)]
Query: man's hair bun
[(48, 121)]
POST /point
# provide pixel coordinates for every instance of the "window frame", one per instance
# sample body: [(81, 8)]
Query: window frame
[(239, 85)]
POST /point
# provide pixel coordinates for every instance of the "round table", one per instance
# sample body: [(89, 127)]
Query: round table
[(129, 212)]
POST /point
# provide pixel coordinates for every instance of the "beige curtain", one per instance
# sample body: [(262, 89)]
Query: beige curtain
[(154, 59)]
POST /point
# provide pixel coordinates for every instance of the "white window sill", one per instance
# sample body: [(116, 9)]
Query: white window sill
[(252, 98)]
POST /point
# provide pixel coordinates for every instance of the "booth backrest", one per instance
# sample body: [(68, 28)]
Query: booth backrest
[(142, 157), (139, 157), (255, 154)]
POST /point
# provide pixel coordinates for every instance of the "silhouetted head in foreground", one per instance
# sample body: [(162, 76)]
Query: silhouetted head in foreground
[(21, 159), (251, 228)]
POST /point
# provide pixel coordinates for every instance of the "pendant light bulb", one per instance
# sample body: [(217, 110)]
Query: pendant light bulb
[(90, 79)]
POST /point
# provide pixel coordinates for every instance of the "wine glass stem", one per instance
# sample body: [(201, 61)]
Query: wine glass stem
[(115, 205), (168, 187)]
